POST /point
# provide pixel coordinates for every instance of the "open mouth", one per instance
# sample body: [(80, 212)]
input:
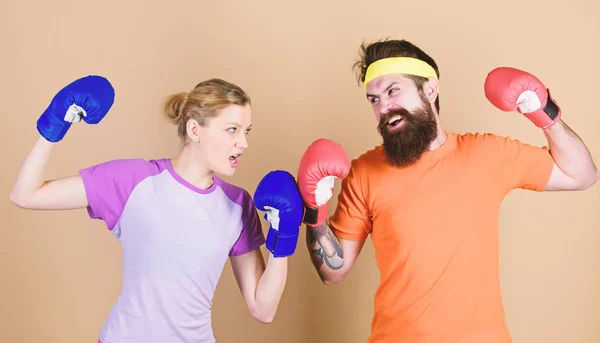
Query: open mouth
[(395, 121), (234, 159)]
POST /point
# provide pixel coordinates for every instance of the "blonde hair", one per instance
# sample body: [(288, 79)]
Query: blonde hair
[(202, 103)]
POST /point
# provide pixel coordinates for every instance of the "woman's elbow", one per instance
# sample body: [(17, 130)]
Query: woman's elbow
[(17, 200), (263, 317)]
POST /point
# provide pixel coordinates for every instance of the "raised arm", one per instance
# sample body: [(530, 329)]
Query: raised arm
[(514, 90), (574, 168), (321, 164), (262, 287), (31, 191), (87, 99)]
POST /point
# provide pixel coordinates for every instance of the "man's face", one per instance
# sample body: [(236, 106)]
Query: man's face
[(407, 122)]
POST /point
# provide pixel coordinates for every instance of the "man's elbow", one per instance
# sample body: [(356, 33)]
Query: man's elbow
[(590, 180), (332, 279), (595, 178)]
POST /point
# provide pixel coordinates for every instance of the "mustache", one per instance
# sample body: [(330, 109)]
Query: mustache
[(397, 111), (385, 117)]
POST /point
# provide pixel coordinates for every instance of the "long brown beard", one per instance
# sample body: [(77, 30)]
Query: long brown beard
[(405, 146)]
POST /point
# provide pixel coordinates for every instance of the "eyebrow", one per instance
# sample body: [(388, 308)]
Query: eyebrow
[(386, 89), (238, 125)]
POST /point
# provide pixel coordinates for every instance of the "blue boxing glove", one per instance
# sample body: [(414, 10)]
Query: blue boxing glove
[(277, 194), (88, 99)]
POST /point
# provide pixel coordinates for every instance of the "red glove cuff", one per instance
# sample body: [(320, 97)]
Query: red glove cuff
[(316, 216), (547, 116)]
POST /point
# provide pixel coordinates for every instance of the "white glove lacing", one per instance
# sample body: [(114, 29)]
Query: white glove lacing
[(74, 114)]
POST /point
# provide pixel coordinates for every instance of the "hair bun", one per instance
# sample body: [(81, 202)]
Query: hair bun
[(174, 106)]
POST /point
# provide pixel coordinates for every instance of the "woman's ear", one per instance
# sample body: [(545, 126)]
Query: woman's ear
[(193, 130)]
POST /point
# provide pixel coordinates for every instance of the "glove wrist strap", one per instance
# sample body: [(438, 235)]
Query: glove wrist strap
[(315, 216), (281, 245), (547, 116), (551, 108), (311, 215)]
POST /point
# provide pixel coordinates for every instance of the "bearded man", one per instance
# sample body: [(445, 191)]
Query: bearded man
[(430, 198)]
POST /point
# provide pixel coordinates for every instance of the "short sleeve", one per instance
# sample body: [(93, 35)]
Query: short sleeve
[(252, 236), (108, 186), (351, 219), (525, 166)]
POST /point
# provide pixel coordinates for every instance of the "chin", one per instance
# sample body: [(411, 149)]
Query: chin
[(227, 171)]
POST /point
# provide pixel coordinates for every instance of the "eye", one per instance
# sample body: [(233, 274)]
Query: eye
[(393, 90), (232, 129), (373, 100), (247, 132)]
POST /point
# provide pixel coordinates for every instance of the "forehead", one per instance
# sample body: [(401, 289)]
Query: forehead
[(241, 115), (379, 84)]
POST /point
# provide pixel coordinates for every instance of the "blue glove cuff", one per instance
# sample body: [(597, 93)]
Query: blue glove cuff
[(52, 128), (281, 245)]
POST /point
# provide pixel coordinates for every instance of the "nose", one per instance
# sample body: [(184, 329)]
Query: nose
[(242, 142), (384, 107)]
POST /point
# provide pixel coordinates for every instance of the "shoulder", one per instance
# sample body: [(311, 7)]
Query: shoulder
[(121, 172), (108, 185), (473, 142), (236, 194), (488, 139), (365, 167), (476, 138), (132, 165), (373, 158), (242, 201)]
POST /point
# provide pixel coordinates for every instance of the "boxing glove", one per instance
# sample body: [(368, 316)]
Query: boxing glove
[(323, 161), (88, 99), (510, 89), (277, 194)]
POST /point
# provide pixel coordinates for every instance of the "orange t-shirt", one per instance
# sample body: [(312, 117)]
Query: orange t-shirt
[(434, 227)]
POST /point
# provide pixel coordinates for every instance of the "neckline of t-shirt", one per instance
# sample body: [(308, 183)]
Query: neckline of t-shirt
[(448, 144), (184, 182)]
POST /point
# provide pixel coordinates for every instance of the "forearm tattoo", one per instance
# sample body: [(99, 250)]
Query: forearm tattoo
[(324, 247)]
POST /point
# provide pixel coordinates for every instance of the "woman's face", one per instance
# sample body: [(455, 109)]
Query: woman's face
[(223, 140)]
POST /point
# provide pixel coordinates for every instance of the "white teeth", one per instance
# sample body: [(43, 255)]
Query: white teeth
[(394, 118)]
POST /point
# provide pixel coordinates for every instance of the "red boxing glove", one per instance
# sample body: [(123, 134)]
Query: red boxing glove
[(511, 89), (323, 161)]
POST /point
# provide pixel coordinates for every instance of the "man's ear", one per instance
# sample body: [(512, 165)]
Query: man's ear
[(431, 89)]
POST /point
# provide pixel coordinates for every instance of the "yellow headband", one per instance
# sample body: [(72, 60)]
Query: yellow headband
[(399, 65)]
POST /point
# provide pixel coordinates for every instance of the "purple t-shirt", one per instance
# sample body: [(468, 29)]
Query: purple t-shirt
[(176, 239)]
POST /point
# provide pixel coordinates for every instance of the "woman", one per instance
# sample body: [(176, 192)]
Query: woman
[(176, 219)]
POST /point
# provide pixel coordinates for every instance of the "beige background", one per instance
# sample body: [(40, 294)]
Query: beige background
[(61, 272)]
